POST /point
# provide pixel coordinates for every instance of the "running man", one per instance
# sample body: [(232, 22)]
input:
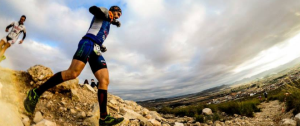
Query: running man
[(89, 47), (13, 35)]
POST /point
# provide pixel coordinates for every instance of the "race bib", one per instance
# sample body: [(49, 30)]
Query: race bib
[(97, 49)]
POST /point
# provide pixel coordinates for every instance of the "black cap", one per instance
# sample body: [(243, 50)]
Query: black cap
[(115, 8)]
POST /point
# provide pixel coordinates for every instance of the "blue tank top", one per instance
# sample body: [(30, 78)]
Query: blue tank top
[(99, 29)]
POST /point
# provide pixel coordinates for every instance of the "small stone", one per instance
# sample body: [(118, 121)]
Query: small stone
[(38, 117)]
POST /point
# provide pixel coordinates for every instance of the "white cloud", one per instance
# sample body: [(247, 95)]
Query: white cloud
[(167, 47)]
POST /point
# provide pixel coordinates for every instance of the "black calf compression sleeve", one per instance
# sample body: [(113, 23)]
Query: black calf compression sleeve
[(54, 80), (102, 99)]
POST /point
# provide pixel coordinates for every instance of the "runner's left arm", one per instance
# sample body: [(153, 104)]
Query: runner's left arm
[(24, 36)]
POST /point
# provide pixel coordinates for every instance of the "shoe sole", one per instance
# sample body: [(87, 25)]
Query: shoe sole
[(111, 124), (27, 108)]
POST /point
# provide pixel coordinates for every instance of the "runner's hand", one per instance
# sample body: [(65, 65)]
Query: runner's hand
[(21, 41), (111, 16), (6, 30), (116, 22), (103, 48)]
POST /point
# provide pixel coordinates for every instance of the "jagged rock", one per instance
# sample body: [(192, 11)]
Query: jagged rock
[(75, 95), (235, 115), (81, 115), (210, 122), (25, 120), (119, 99), (134, 122), (178, 124), (130, 114), (138, 108), (113, 101), (47, 95), (217, 123), (145, 112), (247, 122), (114, 107), (156, 116), (148, 116), (38, 117), (288, 122), (45, 122), (155, 122), (197, 124), (228, 122), (49, 104), (207, 111), (62, 109), (72, 111), (130, 103), (66, 86), (89, 114), (94, 119), (125, 122), (66, 105), (297, 118), (39, 74), (88, 87), (165, 124)]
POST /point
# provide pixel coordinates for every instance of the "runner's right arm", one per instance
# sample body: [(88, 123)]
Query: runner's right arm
[(99, 12), (9, 26)]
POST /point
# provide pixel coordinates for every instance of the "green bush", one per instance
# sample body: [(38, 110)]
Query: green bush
[(293, 101), (245, 108), (190, 111), (216, 117), (199, 118)]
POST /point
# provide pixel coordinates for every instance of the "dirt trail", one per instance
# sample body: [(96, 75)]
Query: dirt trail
[(271, 114), (10, 99)]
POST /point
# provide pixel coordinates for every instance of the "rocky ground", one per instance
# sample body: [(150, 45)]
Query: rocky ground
[(72, 104)]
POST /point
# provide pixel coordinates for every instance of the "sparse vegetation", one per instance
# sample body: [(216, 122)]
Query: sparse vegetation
[(245, 108), (289, 93)]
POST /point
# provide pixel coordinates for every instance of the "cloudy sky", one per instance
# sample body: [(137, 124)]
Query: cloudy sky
[(164, 48)]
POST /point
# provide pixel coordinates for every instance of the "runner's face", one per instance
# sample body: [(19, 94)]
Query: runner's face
[(22, 19), (116, 14)]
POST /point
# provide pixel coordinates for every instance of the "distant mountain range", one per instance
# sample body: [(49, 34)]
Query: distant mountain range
[(279, 69)]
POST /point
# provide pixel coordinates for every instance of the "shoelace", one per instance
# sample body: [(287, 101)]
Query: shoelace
[(34, 97)]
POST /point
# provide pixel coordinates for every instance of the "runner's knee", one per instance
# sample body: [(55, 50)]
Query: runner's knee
[(103, 82), (72, 75), (7, 45)]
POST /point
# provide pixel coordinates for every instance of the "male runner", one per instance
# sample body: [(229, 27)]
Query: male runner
[(89, 47), (11, 38)]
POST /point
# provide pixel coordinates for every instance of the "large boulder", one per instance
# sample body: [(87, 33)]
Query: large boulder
[(9, 115), (207, 111), (39, 74), (66, 86)]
